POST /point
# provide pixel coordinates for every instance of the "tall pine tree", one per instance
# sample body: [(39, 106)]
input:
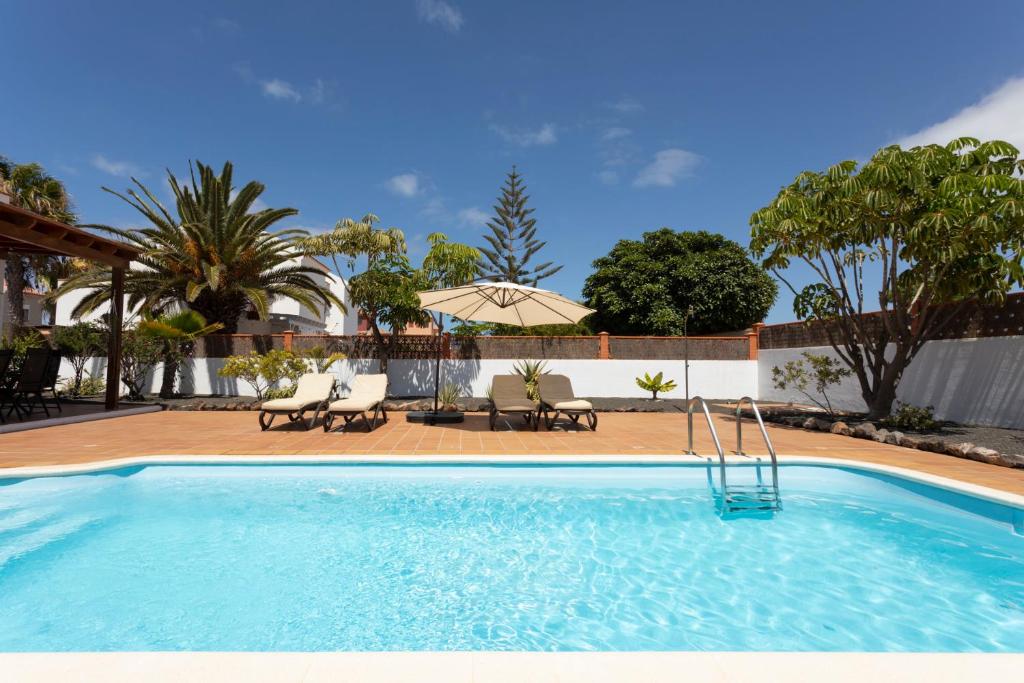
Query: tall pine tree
[(512, 242)]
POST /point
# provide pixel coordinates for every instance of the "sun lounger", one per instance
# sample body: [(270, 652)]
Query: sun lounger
[(509, 396), (556, 396), (313, 392), (368, 393)]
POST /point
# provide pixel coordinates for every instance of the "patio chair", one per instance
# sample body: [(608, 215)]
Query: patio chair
[(368, 393), (29, 387), (52, 375), (6, 356), (556, 396), (312, 392), (509, 396)]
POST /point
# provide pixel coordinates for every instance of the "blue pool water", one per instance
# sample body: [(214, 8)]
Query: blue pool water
[(499, 558)]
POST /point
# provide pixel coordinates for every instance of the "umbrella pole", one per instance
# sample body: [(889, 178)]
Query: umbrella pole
[(437, 366)]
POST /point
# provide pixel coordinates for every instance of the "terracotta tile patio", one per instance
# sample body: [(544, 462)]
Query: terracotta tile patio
[(236, 433)]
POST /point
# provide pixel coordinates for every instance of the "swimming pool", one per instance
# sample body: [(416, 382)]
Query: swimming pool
[(607, 557)]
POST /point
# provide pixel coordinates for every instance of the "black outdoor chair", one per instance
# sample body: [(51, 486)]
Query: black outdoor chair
[(52, 375), (29, 387), (6, 356)]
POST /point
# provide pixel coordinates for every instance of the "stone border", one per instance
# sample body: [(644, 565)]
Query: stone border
[(922, 442)]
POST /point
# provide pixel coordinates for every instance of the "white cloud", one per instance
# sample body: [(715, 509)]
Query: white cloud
[(441, 14), (523, 137), (626, 105), (472, 217), (615, 133), (280, 90), (668, 167), (997, 116), (404, 185), (436, 210), (608, 177), (318, 91), (122, 169)]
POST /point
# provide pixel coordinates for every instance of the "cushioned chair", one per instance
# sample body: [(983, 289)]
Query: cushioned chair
[(368, 393), (556, 396), (313, 392), (509, 396)]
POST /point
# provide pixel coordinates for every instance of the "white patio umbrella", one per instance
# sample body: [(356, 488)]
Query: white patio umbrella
[(504, 302), (500, 302)]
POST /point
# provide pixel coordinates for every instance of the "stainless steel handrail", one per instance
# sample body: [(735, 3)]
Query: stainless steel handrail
[(764, 434), (714, 434)]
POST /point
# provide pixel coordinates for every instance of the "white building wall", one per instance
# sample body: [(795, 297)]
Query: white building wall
[(590, 378), (972, 381), (308, 321)]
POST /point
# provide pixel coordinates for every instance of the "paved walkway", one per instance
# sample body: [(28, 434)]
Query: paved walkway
[(237, 433)]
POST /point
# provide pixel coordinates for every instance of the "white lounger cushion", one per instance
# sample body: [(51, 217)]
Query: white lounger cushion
[(576, 404), (367, 392), (312, 389)]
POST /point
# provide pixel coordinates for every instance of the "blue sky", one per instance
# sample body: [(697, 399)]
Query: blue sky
[(622, 117)]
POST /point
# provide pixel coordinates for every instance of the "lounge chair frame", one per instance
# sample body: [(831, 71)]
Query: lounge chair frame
[(551, 414), (531, 415), (293, 415), (379, 413)]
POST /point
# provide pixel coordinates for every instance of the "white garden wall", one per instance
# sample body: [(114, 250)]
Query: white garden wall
[(592, 378), (973, 381)]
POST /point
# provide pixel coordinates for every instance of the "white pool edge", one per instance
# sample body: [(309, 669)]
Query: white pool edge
[(457, 667), (983, 492)]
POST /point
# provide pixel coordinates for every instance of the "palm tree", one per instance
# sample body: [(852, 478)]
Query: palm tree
[(179, 333), (216, 257), (31, 187)]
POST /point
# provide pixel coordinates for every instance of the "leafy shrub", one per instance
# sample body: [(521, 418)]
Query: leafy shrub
[(279, 392), (263, 371), (79, 343), (913, 419), (824, 371), (88, 385), (530, 371), (139, 354), (655, 384)]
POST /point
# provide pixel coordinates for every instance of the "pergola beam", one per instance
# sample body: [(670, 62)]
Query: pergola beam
[(24, 232)]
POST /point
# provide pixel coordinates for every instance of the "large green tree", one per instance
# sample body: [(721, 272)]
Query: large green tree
[(30, 186), (383, 292), (513, 241), (915, 233), (647, 286), (216, 256)]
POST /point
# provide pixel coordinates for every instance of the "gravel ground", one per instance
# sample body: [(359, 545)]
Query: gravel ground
[(1010, 441)]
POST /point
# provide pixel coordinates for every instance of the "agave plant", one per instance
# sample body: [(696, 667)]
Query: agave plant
[(216, 256), (449, 396), (530, 371)]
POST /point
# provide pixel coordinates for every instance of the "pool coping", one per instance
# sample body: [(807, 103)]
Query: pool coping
[(946, 483), (455, 667)]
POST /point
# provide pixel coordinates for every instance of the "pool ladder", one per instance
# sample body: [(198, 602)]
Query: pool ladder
[(757, 497)]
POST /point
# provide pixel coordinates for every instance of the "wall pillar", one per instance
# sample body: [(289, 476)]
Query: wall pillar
[(603, 349), (289, 336), (754, 340)]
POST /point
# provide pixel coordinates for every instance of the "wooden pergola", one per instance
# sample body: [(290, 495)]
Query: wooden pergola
[(25, 232)]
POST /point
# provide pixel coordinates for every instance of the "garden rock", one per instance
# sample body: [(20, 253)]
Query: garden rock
[(986, 455), (865, 430), (840, 428), (894, 438), (880, 435), (959, 450)]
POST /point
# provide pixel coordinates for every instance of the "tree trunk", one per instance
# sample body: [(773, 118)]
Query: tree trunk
[(170, 374), (15, 275)]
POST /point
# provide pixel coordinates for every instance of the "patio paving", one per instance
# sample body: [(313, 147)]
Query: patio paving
[(237, 434)]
